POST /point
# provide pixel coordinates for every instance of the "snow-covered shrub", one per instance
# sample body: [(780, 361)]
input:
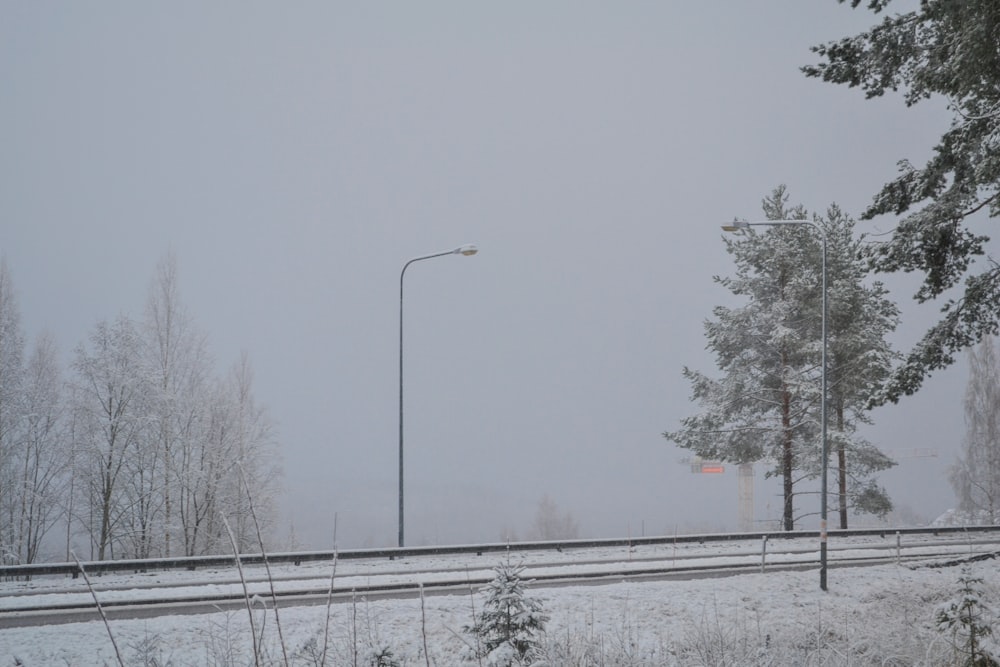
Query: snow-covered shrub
[(147, 651), (511, 623), (969, 619), (380, 656)]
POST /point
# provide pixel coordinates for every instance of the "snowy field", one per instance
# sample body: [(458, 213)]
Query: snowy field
[(880, 615)]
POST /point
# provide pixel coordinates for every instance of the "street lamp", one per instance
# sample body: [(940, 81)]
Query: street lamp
[(466, 250), (740, 225)]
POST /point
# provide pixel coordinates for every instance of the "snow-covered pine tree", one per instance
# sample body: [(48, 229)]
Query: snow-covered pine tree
[(758, 409), (976, 475), (766, 404), (946, 50), (510, 623), (969, 618), (859, 360)]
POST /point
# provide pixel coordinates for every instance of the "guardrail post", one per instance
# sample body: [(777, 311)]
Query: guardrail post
[(899, 556), (763, 552)]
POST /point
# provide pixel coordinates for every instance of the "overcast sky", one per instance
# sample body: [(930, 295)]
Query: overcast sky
[(293, 156)]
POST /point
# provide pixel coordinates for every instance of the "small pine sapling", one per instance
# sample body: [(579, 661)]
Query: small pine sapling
[(969, 618), (509, 627), (381, 656)]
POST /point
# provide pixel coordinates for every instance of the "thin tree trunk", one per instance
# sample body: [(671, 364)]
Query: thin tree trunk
[(105, 523), (842, 469), (786, 458), (842, 474)]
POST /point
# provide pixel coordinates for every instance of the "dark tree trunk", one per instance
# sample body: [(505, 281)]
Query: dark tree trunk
[(788, 519), (842, 469)]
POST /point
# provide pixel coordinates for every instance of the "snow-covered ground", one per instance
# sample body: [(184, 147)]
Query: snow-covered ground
[(873, 615)]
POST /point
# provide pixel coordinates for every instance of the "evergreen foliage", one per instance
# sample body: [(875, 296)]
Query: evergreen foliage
[(860, 318), (976, 475), (969, 619), (381, 657), (510, 625), (950, 49), (766, 405)]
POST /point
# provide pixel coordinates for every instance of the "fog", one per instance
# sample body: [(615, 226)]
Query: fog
[(294, 157)]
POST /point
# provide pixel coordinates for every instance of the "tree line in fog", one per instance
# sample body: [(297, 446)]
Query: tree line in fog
[(135, 448)]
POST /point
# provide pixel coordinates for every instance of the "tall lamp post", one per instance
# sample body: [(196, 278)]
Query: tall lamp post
[(466, 250), (742, 225)]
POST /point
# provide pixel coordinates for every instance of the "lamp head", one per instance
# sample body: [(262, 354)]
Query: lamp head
[(467, 250), (736, 226)]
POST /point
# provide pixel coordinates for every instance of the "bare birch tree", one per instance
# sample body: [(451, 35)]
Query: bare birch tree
[(157, 450), (177, 355), (255, 469), (11, 410), (41, 455), (108, 391), (552, 524), (207, 475)]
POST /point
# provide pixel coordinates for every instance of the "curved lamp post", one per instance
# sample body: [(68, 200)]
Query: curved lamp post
[(466, 250), (739, 226)]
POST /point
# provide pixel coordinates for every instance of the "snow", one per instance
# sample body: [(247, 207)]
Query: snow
[(881, 614)]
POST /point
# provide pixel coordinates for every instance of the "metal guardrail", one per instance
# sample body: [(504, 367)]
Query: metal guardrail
[(299, 557)]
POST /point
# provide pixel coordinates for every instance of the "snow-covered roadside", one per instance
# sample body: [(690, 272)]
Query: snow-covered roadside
[(872, 614), (172, 586), (311, 576)]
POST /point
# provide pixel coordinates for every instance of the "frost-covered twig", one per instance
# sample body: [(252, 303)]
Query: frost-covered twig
[(100, 609), (354, 628), (329, 595), (246, 592), (475, 621), (267, 566), (423, 626)]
